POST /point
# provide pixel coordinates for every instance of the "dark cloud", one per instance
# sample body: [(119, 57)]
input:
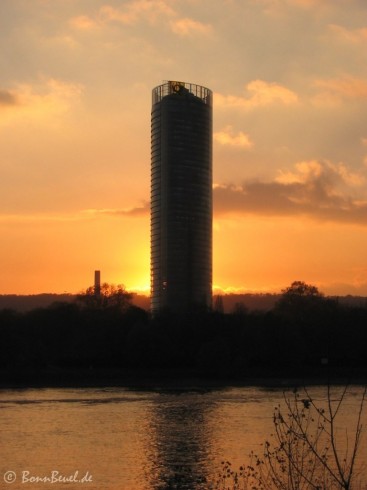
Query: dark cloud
[(318, 190), (7, 98), (317, 196)]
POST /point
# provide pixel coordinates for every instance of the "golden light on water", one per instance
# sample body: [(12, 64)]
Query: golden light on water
[(146, 439)]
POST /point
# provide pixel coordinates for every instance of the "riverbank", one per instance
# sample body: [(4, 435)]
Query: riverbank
[(177, 378)]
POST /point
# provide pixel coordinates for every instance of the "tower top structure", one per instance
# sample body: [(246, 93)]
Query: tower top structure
[(171, 87)]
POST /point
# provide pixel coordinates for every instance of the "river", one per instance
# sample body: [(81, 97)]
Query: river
[(126, 439)]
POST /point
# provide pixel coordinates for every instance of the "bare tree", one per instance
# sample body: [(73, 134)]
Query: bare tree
[(306, 452)]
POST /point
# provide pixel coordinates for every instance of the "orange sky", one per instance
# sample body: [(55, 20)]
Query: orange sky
[(290, 138)]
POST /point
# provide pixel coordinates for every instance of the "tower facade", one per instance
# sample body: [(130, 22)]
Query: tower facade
[(181, 197)]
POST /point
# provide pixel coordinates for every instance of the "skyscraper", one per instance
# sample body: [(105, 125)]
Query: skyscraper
[(181, 197)]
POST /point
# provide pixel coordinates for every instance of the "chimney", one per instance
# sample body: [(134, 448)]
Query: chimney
[(97, 283)]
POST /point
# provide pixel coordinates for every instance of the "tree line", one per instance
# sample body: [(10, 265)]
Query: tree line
[(304, 331)]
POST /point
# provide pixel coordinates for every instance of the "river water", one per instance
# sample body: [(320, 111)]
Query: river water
[(126, 439)]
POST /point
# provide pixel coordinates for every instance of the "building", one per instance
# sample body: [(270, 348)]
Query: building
[(181, 197)]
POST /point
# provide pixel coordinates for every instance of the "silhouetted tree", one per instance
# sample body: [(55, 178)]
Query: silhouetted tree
[(310, 316), (240, 309), (302, 301), (218, 304), (110, 295), (297, 292)]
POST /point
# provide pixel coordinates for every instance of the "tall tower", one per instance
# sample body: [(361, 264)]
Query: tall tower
[(181, 197)]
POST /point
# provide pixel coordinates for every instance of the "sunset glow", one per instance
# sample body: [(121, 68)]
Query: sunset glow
[(290, 138)]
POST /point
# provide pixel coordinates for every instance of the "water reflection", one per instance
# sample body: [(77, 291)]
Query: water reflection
[(144, 440), (180, 446)]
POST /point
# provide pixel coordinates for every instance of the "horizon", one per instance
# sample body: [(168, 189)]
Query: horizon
[(290, 139), (215, 293)]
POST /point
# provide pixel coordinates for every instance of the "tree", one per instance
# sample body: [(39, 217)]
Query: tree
[(109, 296), (301, 289), (240, 309), (218, 304), (305, 454), (299, 293), (301, 300)]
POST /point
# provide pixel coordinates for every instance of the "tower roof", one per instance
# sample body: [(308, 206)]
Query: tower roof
[(170, 87)]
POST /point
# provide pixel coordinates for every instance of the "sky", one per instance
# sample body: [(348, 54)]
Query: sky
[(289, 79)]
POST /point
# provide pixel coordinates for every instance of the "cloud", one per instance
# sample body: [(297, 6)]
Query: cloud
[(310, 4), (188, 27), (137, 211), (305, 3), (40, 100), (260, 94), (83, 23), (318, 190), (353, 36), (136, 10), (312, 170), (131, 13), (85, 214), (280, 6), (337, 89), (227, 137), (7, 98)]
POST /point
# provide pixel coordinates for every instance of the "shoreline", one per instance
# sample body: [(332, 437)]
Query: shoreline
[(176, 379)]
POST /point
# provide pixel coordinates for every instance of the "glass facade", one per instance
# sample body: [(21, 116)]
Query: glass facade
[(181, 197)]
